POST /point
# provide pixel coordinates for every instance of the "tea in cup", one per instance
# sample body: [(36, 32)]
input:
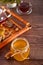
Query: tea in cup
[(24, 8)]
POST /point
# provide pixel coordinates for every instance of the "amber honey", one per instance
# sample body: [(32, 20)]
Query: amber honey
[(20, 49)]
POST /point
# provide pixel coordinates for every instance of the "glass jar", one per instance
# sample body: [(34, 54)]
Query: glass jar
[(19, 50), (2, 16)]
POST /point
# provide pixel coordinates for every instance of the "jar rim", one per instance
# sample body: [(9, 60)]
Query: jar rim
[(24, 49)]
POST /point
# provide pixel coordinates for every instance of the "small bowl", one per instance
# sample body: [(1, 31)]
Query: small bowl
[(13, 5)]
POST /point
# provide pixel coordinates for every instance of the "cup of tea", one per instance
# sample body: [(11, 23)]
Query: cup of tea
[(24, 8), (19, 50)]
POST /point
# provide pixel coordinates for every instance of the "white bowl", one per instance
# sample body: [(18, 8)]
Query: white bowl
[(13, 5)]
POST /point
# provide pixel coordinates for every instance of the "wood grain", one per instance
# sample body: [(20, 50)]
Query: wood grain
[(35, 37)]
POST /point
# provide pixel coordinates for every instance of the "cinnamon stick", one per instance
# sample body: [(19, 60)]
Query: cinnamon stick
[(13, 36), (15, 23), (16, 16)]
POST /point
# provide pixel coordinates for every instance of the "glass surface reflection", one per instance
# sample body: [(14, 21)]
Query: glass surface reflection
[(24, 8)]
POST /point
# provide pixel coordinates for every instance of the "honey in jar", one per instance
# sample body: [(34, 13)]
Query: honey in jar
[(20, 49)]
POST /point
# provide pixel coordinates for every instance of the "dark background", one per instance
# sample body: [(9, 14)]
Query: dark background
[(34, 36)]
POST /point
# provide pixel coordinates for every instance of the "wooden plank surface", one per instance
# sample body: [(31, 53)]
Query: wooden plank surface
[(34, 36)]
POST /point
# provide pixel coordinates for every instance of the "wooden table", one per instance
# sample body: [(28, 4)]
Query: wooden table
[(34, 36)]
